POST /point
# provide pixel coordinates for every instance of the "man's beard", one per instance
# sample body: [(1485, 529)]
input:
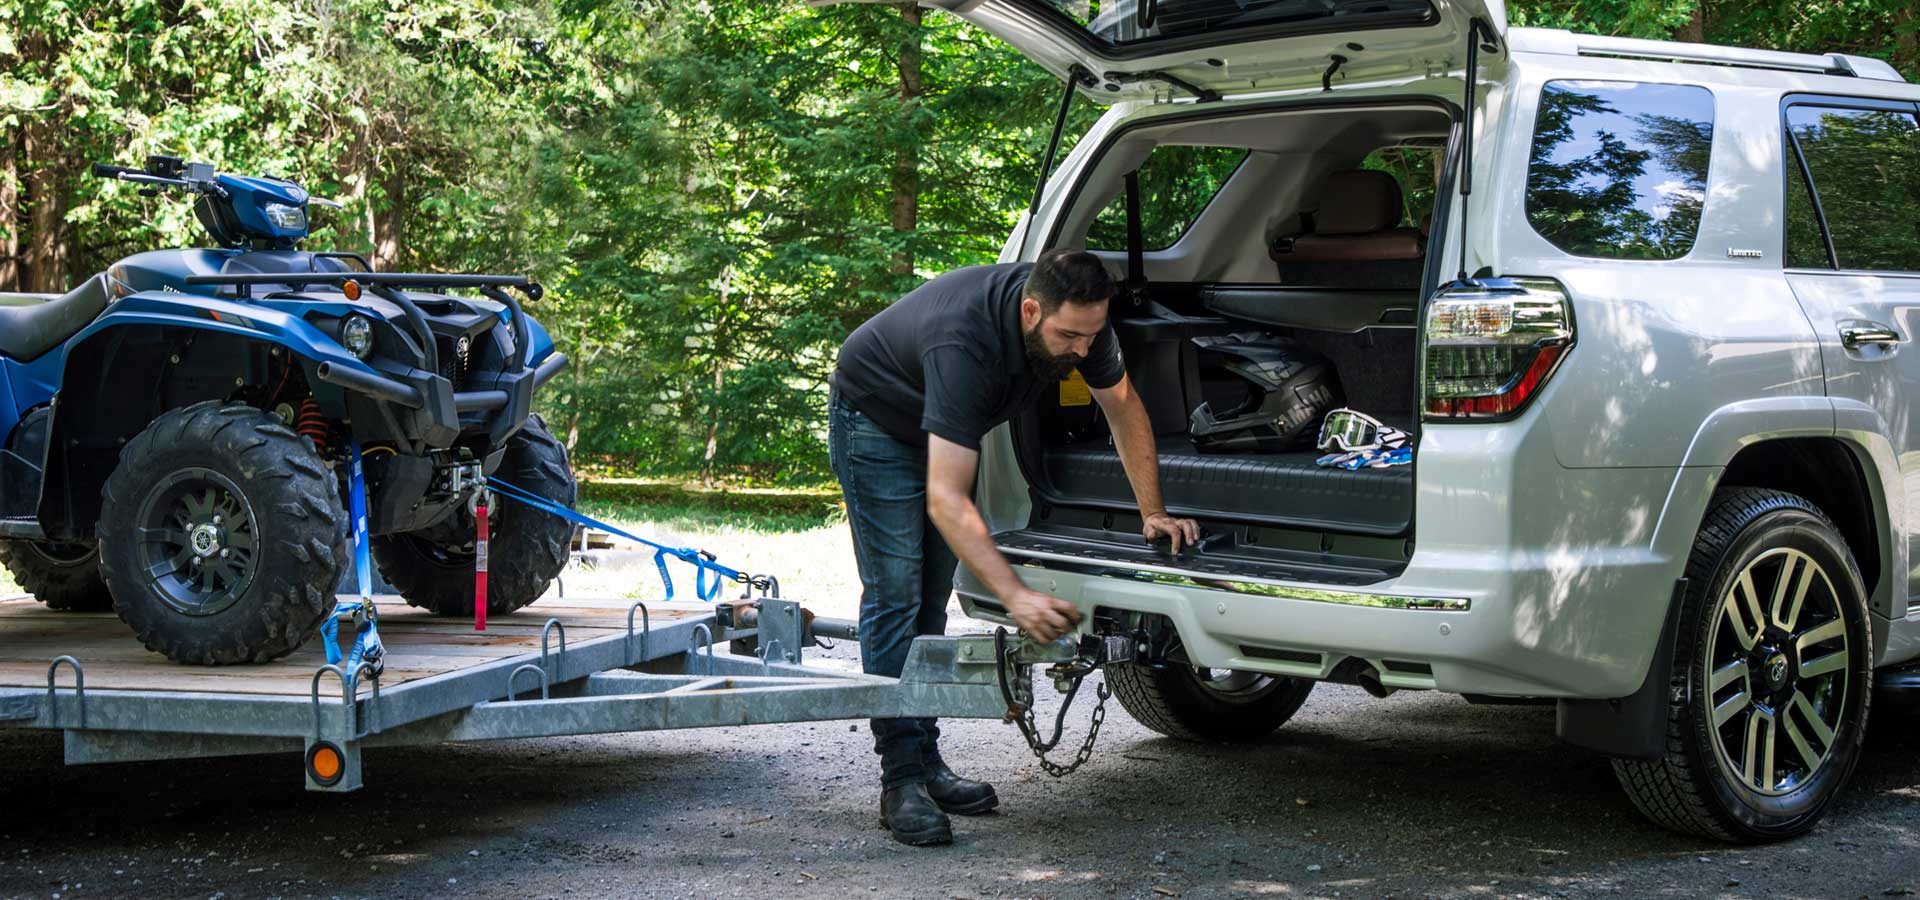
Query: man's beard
[(1048, 366)]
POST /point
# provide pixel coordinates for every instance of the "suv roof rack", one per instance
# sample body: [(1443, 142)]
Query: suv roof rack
[(1567, 43)]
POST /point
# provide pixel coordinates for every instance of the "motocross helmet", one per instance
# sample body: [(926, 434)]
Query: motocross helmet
[(1263, 394)]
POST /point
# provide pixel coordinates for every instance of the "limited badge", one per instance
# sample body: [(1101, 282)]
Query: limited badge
[(1074, 390)]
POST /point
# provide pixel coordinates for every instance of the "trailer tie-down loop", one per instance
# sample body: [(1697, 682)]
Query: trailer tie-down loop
[(526, 667), (646, 626), (702, 561), (1018, 695), (702, 637), (79, 689), (560, 660)]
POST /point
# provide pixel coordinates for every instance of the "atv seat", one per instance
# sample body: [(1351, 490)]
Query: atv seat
[(28, 331)]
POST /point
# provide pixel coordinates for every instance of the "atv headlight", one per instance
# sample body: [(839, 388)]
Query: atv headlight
[(356, 334), (284, 217)]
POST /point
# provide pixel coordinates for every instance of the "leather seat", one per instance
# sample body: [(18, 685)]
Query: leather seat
[(27, 332), (1356, 239)]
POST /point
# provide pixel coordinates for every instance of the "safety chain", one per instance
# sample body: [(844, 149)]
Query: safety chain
[(1019, 700)]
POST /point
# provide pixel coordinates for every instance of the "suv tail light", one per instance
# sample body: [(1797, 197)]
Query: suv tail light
[(1491, 345)]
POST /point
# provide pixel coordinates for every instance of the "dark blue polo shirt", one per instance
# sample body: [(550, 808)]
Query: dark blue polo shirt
[(948, 358)]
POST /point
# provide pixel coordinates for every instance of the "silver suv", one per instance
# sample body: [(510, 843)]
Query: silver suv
[(1641, 307)]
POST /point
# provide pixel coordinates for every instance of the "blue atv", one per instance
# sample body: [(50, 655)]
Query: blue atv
[(179, 430)]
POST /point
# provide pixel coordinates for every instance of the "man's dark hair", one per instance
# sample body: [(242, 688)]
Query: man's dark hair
[(1068, 276)]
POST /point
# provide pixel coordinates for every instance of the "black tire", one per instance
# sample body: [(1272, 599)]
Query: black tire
[(61, 575), (1211, 705), (1737, 687), (248, 587), (526, 548)]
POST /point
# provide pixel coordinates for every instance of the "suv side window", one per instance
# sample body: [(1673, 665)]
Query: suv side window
[(1619, 169), (1176, 184), (1865, 197)]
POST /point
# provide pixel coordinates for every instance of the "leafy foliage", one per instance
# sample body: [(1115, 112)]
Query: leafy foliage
[(715, 192)]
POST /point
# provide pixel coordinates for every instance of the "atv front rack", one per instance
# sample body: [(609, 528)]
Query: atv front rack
[(388, 285)]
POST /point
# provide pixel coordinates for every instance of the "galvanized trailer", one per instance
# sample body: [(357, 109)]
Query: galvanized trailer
[(571, 666)]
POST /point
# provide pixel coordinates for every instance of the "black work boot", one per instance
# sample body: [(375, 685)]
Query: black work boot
[(913, 817), (960, 796)]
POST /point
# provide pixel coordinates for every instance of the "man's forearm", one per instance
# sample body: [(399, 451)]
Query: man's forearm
[(1139, 454), (967, 536)]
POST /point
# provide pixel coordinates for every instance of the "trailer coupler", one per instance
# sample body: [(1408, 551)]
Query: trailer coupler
[(1071, 663)]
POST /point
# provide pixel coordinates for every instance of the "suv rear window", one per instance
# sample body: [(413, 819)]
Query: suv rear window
[(1176, 184), (1619, 169), (1865, 165)]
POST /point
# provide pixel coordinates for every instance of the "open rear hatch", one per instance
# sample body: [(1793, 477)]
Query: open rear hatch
[(1269, 513), (1135, 49)]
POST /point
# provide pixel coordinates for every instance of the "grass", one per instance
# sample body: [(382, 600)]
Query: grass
[(689, 507), (797, 534)]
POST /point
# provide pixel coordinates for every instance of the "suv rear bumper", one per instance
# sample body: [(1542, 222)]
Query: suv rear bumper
[(1528, 579)]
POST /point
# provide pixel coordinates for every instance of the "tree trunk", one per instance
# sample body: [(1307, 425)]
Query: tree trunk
[(9, 209), (1695, 31), (713, 426), (1906, 43), (46, 206), (389, 217), (906, 156)]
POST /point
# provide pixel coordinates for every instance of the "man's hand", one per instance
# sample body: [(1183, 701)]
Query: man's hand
[(1182, 532), (1043, 616)]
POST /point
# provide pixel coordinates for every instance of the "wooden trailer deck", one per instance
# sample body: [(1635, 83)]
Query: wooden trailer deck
[(418, 645)]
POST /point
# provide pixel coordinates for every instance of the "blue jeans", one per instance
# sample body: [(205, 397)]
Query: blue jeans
[(906, 571)]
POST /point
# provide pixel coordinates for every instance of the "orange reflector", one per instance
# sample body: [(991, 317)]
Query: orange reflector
[(323, 762), (350, 288)]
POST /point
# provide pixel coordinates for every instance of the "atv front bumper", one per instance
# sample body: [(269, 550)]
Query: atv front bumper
[(435, 408)]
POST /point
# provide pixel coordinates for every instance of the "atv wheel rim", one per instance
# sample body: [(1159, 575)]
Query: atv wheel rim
[(196, 538), (1776, 672)]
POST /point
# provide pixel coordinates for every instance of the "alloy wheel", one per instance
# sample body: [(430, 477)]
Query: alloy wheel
[(1776, 672)]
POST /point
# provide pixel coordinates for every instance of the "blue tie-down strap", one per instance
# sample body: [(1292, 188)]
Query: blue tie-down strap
[(361, 613), (701, 561), (365, 620)]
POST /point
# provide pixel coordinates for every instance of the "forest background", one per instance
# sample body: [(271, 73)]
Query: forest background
[(715, 193)]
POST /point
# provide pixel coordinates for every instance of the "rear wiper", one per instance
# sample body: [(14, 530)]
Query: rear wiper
[(1204, 95)]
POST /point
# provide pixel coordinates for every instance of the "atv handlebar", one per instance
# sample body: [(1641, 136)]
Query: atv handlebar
[(143, 176)]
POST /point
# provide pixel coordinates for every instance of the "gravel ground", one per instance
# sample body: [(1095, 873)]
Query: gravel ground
[(1418, 795)]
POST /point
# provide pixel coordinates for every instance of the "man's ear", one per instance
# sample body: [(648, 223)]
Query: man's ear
[(1029, 314)]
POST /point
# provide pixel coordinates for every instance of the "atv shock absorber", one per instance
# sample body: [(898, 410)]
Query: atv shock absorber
[(309, 422)]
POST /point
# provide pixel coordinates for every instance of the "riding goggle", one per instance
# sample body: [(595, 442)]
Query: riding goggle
[(1349, 430)]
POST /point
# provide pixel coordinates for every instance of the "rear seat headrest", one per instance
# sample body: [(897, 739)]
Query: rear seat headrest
[(1358, 201)]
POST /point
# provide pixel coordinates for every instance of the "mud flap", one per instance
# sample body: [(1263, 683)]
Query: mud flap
[(1635, 725)]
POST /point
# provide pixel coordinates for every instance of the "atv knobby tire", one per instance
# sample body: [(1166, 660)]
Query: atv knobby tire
[(280, 497), (63, 576), (526, 548)]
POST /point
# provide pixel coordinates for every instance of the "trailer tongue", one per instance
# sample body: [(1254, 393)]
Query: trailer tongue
[(584, 667)]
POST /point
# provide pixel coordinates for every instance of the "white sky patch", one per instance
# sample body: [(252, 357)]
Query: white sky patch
[(1670, 190)]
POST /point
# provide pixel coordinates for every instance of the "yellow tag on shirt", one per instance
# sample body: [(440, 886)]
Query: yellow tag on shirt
[(1074, 390)]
